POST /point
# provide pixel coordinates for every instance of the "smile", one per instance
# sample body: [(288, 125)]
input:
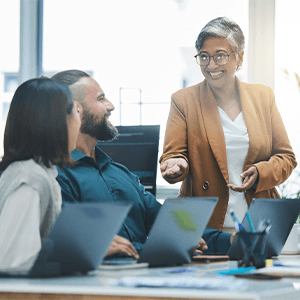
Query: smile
[(216, 74)]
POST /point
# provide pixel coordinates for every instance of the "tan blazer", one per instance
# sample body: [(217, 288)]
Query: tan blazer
[(194, 131)]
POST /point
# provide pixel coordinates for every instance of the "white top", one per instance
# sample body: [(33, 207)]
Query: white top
[(23, 215), (237, 145)]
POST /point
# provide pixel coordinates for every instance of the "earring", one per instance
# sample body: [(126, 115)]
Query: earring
[(238, 68)]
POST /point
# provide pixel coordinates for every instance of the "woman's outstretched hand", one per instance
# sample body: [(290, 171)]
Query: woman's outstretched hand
[(173, 168)]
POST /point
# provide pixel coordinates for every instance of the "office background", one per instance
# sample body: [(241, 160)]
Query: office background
[(141, 51)]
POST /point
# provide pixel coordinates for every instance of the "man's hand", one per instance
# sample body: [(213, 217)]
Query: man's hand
[(249, 177), (232, 237), (123, 246), (173, 168), (202, 245)]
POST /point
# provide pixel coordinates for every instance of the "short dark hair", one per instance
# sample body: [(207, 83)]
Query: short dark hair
[(69, 77), (222, 27), (36, 126)]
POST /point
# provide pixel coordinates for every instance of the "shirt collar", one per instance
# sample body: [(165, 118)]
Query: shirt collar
[(101, 157), (77, 155)]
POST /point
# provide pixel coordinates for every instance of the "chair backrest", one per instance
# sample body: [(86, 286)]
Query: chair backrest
[(136, 147)]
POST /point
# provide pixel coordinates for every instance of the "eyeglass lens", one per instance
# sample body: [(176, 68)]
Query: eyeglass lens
[(220, 59)]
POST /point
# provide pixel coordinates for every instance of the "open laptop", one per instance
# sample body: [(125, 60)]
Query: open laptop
[(282, 214), (177, 230), (79, 239)]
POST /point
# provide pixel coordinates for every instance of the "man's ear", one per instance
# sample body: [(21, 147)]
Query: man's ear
[(79, 107)]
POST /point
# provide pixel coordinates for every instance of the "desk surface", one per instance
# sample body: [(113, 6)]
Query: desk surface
[(97, 285)]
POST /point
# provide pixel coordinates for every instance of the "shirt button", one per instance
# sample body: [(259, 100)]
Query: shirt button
[(205, 185)]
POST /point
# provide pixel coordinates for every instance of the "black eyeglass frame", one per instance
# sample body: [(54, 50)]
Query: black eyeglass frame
[(214, 57)]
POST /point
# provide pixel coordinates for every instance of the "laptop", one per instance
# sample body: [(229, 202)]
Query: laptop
[(282, 214), (79, 239), (177, 230)]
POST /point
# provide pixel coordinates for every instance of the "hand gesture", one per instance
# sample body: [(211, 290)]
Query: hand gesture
[(173, 168), (249, 177)]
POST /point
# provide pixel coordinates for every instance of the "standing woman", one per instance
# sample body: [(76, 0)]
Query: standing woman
[(41, 131), (225, 138)]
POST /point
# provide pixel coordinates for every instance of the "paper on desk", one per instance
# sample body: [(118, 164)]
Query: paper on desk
[(280, 271), (124, 267), (216, 283)]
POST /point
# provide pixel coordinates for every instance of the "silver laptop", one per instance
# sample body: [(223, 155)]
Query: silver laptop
[(177, 230), (79, 239), (282, 214)]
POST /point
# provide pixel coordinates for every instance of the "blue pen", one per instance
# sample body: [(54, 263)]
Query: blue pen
[(238, 225), (250, 222), (283, 265)]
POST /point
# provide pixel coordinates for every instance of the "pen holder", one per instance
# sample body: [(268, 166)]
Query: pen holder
[(253, 247)]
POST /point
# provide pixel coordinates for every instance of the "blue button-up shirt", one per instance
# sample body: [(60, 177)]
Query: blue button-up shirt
[(107, 181)]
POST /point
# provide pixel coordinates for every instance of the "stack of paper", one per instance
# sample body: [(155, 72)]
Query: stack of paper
[(184, 282)]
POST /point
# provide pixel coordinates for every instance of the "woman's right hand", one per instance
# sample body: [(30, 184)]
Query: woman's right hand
[(173, 168)]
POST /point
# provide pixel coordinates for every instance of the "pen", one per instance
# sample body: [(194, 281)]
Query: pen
[(283, 265), (250, 222), (238, 225)]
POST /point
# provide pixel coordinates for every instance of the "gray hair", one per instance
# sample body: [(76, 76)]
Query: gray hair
[(222, 27)]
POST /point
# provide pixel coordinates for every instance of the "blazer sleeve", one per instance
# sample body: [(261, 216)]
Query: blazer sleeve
[(175, 142), (279, 166)]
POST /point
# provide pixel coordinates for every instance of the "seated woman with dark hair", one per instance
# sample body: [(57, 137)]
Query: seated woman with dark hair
[(41, 131)]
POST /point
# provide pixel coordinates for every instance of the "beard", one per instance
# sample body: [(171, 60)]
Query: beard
[(99, 130)]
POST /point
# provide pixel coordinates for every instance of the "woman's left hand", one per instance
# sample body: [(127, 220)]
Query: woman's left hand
[(248, 177)]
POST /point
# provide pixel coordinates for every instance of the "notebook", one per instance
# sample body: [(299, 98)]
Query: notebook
[(177, 230), (282, 214), (79, 239)]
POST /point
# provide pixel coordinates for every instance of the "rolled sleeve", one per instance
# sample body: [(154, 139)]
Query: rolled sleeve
[(218, 242)]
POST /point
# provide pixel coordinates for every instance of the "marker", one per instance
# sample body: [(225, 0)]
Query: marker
[(238, 225), (250, 222)]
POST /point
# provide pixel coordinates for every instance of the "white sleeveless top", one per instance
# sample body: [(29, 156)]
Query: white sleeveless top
[(237, 145)]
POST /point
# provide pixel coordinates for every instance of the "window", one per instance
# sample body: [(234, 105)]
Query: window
[(9, 58), (287, 90), (145, 47)]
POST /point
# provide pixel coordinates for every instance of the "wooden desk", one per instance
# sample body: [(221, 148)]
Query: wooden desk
[(97, 286)]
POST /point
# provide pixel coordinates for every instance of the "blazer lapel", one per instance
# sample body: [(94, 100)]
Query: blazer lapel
[(213, 127), (252, 123)]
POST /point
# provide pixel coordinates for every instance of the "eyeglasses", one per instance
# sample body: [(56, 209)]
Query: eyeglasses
[(220, 59)]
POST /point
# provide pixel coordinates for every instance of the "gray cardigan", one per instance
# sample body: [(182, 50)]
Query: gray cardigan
[(41, 179)]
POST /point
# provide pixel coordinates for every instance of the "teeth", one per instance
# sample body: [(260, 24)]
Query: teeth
[(215, 74)]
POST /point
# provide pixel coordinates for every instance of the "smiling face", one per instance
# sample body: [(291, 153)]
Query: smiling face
[(220, 77), (96, 111)]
